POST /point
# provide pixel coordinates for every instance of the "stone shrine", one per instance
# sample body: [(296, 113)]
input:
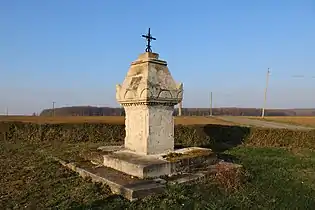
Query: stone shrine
[(148, 95), (134, 170)]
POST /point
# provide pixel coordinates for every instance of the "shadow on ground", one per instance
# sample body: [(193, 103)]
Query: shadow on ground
[(225, 137), (217, 137)]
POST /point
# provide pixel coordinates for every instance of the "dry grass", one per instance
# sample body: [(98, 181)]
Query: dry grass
[(229, 176), (109, 119), (270, 158), (295, 120)]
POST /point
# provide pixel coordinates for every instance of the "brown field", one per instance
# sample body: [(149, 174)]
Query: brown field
[(191, 120), (296, 120)]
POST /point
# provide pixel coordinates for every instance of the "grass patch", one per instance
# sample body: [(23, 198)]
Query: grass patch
[(279, 179), (31, 180), (280, 170)]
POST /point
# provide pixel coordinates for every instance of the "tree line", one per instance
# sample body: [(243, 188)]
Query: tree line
[(232, 111)]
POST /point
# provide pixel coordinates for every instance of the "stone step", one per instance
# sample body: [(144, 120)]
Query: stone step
[(150, 166), (132, 188)]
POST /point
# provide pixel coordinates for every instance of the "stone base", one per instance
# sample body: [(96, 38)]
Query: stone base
[(129, 187), (133, 188), (152, 166)]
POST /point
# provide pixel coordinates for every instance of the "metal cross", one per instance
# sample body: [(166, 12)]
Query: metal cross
[(149, 38)]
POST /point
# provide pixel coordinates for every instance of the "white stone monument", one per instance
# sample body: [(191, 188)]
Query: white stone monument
[(148, 95)]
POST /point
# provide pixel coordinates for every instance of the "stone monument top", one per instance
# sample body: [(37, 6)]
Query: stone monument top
[(149, 81), (148, 95)]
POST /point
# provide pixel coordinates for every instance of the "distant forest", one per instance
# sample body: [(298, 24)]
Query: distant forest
[(108, 111)]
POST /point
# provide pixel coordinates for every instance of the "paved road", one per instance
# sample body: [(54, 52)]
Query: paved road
[(261, 123)]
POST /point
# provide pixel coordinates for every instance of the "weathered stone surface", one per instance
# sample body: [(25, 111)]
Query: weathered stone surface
[(129, 187), (148, 95), (142, 166), (151, 166), (149, 129), (133, 188), (149, 80)]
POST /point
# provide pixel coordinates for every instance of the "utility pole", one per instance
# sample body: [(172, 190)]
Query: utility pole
[(53, 108), (211, 104), (180, 108), (7, 111), (265, 97)]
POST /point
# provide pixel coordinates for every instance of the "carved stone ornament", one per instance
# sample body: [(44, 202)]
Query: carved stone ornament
[(149, 82)]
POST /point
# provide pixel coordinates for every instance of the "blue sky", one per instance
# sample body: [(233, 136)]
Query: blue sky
[(73, 52)]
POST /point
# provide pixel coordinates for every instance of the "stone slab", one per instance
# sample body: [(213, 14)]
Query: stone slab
[(150, 166), (131, 188), (110, 148), (142, 166)]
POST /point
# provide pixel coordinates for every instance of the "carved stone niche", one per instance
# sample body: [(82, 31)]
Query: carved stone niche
[(148, 95)]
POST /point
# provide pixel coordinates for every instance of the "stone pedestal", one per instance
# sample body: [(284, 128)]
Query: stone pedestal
[(153, 166), (149, 129), (148, 95)]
